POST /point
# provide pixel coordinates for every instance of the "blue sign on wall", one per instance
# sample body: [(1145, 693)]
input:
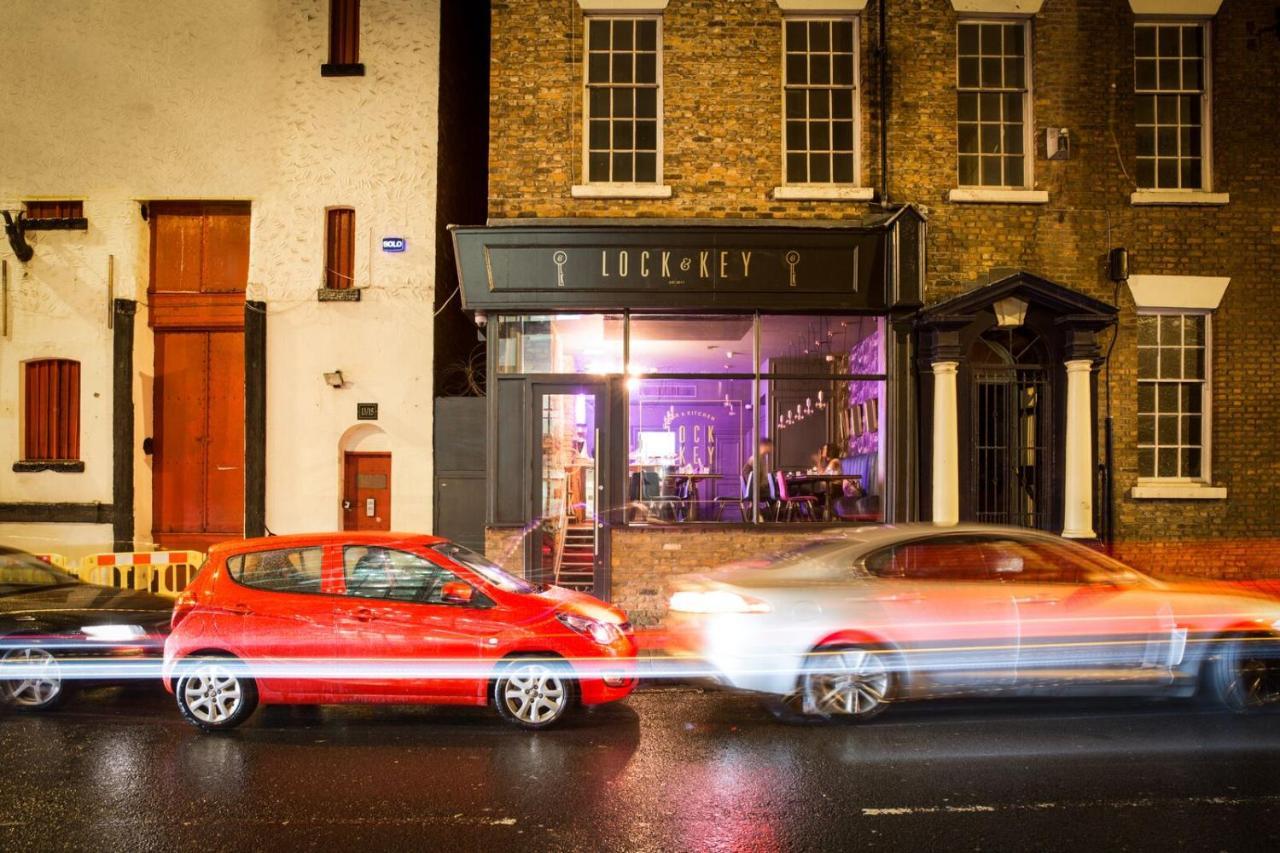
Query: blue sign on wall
[(394, 244)]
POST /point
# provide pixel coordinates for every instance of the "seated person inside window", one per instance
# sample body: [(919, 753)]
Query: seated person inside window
[(768, 488), (829, 459)]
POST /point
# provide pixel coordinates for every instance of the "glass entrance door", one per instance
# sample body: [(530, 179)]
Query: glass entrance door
[(570, 438)]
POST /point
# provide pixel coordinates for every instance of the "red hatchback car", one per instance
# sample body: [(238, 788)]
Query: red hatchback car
[(386, 618)]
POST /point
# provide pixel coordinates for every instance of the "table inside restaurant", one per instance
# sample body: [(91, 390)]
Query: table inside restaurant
[(807, 483), (690, 501)]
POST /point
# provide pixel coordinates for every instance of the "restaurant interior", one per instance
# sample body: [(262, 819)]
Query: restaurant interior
[(710, 399)]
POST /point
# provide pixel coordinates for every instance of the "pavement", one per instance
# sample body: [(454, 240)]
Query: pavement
[(672, 769)]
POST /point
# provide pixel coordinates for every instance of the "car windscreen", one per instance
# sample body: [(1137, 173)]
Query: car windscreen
[(484, 567), (20, 571)]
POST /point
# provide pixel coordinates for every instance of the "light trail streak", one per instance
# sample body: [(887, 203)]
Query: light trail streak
[(73, 663)]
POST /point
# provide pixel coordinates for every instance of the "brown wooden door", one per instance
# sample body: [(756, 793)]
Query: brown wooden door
[(199, 438), (199, 268), (366, 491)]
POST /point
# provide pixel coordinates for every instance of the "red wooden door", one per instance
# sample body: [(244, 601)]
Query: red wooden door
[(199, 438), (366, 492), (199, 268)]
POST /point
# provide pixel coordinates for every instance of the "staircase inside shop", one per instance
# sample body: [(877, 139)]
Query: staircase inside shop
[(575, 568)]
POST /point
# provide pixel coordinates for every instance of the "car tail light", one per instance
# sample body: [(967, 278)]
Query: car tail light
[(183, 605)]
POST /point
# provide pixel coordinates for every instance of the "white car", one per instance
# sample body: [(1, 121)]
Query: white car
[(857, 619)]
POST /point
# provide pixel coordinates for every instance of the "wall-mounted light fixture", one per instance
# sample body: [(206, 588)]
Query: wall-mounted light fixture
[(334, 379), (1011, 312)]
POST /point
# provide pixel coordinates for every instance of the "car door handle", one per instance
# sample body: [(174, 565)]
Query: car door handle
[(363, 614), (238, 609), (901, 597)]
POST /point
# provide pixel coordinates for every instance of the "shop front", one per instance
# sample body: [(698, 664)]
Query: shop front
[(667, 395)]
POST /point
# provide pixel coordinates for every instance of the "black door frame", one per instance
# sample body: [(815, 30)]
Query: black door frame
[(608, 468), (1047, 440)]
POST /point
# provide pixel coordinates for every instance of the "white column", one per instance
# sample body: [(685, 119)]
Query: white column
[(1078, 490), (946, 453)]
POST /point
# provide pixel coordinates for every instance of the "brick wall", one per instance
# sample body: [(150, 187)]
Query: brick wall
[(722, 159), (505, 546), (643, 561)]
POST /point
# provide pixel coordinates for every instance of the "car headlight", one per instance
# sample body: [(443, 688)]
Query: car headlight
[(603, 633), (716, 601), (113, 633)]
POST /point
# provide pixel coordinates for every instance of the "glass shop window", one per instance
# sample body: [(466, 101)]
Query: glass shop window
[(703, 406), (690, 430), (807, 345), (691, 447), (560, 343)]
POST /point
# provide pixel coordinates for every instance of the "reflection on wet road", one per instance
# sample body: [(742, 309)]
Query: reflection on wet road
[(671, 769)]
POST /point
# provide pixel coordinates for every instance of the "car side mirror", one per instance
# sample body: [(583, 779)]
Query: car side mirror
[(457, 592)]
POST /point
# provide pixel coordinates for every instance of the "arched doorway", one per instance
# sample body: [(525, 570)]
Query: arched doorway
[(1009, 426), (1012, 428), (365, 453)]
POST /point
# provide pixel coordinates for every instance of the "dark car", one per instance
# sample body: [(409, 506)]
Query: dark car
[(58, 633)]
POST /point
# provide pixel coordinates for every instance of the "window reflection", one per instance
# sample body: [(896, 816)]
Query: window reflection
[(805, 344), (682, 344), (563, 343)]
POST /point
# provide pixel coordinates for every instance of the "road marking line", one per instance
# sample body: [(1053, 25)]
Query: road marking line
[(1148, 802)]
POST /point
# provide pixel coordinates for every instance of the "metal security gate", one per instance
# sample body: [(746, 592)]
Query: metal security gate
[(1012, 425)]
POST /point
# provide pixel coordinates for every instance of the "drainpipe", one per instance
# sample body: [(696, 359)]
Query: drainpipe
[(882, 58)]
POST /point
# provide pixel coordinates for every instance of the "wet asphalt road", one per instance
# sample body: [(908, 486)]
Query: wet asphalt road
[(671, 769)]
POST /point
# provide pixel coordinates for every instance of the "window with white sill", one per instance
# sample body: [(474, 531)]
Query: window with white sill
[(1173, 396), (820, 102), (1171, 97), (623, 132), (993, 83)]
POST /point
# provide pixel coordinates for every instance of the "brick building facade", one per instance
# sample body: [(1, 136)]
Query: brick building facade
[(1215, 234)]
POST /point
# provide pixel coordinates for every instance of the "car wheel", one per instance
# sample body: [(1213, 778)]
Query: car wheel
[(852, 683), (533, 693), (216, 694), (1245, 676), (38, 685)]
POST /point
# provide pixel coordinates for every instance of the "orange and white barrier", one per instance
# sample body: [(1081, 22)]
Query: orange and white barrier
[(57, 561), (163, 572)]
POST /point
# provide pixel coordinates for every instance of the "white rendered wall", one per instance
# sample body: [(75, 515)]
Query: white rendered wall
[(116, 102)]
